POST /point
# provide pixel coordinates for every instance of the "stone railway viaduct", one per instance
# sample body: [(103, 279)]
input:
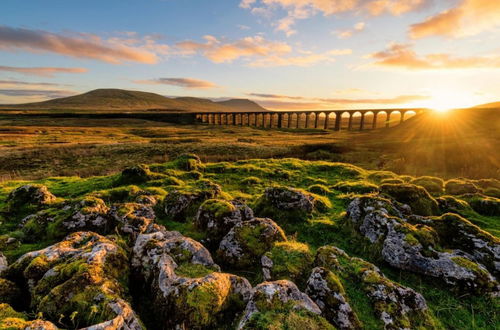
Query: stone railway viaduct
[(308, 119)]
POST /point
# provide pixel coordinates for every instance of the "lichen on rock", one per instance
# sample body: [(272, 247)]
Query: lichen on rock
[(287, 260), (282, 297), (247, 241), (180, 300), (75, 279)]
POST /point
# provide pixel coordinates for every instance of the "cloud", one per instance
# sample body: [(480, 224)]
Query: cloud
[(180, 82), (344, 34), (41, 71), (402, 56), (470, 17), (303, 9), (43, 93), (80, 46), (300, 60), (17, 83), (219, 52)]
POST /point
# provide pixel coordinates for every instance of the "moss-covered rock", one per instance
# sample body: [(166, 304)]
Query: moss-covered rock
[(271, 301), (216, 218), (489, 206), (392, 181), (378, 176), (460, 187), (247, 241), (289, 204), (77, 280), (319, 189), (136, 174), (397, 306), (183, 284), (327, 291), (452, 204), (356, 187), (287, 260), (188, 162), (432, 184), (416, 197), (29, 197), (132, 219), (12, 320), (180, 204), (251, 181), (414, 248)]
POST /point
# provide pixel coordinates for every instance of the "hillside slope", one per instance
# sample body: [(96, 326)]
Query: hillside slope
[(124, 100)]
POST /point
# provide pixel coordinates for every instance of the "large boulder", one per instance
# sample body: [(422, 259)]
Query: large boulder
[(247, 241), (185, 288), (287, 260), (416, 197), (29, 195), (179, 205), (326, 290), (289, 204), (278, 298), (77, 281), (460, 187), (452, 204), (416, 248), (397, 306), (489, 206), (216, 218), (430, 183), (132, 219)]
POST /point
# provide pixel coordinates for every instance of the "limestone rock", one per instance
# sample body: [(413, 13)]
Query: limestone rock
[(269, 296), (180, 204), (63, 278), (217, 217), (247, 241), (183, 282), (415, 248), (287, 260), (88, 214), (30, 194), (416, 197), (326, 290), (132, 218)]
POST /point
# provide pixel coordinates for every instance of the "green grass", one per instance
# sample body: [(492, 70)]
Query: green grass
[(319, 229)]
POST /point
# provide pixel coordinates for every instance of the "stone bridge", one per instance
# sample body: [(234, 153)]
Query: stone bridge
[(331, 119)]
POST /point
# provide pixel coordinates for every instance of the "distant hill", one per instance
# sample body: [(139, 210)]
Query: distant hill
[(489, 105), (124, 100)]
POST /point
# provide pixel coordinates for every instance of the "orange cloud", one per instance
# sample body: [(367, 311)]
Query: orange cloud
[(219, 52), (300, 60), (180, 82), (404, 57), (42, 71), (344, 34), (81, 46), (470, 17), (302, 9)]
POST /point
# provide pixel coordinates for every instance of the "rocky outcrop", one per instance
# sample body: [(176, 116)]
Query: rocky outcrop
[(132, 219), (326, 290), (64, 278), (416, 248), (217, 217), (280, 296), (398, 307), (416, 197), (88, 214), (10, 319), (247, 241), (460, 187), (180, 204), (185, 288), (30, 194), (287, 260)]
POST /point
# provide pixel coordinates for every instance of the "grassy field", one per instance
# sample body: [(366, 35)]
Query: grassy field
[(41, 147), (449, 309)]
